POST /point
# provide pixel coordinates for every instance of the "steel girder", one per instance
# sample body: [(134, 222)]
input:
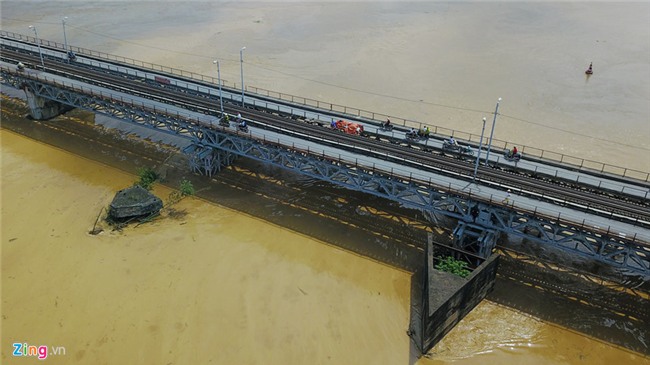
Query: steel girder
[(614, 250), (207, 160), (423, 195), (475, 239)]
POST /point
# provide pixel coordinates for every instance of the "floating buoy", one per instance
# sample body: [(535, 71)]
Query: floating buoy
[(590, 71)]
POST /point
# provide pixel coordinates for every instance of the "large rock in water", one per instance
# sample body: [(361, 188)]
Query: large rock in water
[(133, 202)]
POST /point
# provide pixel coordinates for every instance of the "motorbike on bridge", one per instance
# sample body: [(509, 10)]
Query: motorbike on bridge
[(224, 121), (386, 126), (512, 155), (242, 127), (240, 124), (418, 135), (451, 146)]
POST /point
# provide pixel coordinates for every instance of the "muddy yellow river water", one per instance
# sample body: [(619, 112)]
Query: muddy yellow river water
[(215, 286)]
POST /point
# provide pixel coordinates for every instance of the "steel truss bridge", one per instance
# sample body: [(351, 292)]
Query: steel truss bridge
[(481, 221)]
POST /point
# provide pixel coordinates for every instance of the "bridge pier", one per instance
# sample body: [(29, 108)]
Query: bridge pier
[(41, 108), (475, 239), (440, 299), (206, 160)]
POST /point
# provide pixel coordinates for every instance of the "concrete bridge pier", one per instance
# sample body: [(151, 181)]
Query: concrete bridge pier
[(42, 108), (441, 299)]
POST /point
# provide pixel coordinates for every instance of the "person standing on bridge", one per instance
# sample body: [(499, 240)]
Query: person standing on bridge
[(506, 200)]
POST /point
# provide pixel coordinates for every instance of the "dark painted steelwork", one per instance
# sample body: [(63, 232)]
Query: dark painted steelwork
[(215, 146)]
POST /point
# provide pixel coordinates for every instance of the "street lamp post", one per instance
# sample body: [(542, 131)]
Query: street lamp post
[(241, 61), (38, 43), (65, 39), (478, 156), (487, 156), (219, 80)]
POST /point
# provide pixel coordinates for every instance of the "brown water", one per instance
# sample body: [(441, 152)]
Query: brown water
[(219, 286), (214, 285)]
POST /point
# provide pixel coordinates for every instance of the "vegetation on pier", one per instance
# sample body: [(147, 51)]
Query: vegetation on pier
[(453, 266)]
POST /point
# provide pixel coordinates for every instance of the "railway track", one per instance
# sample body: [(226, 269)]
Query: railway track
[(615, 206)]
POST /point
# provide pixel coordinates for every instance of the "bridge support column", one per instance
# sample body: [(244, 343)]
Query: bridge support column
[(42, 108), (207, 160), (440, 299), (474, 239)]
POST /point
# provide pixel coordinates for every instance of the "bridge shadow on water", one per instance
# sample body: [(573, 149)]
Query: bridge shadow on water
[(573, 299), (368, 226)]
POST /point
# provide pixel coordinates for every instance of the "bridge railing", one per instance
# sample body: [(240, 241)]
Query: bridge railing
[(498, 146), (114, 58), (580, 164)]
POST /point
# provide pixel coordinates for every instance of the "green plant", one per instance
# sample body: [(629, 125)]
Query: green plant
[(147, 177), (453, 266), (186, 188)]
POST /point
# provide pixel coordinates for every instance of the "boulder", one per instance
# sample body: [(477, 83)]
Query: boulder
[(134, 202)]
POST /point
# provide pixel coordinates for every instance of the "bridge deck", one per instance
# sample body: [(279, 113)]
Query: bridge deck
[(557, 170), (476, 189), (412, 173)]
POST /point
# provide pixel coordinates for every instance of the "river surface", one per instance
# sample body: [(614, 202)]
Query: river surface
[(215, 285)]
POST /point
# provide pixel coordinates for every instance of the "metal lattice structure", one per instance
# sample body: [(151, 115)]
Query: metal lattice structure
[(213, 147)]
